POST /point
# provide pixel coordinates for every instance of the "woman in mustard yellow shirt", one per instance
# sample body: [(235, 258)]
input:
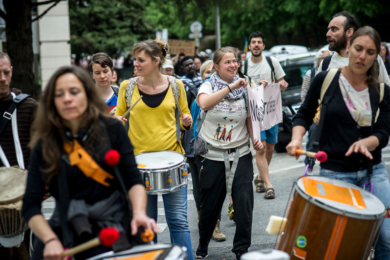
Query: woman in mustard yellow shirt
[(152, 126)]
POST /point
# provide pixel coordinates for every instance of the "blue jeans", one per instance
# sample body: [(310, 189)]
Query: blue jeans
[(175, 206), (381, 189)]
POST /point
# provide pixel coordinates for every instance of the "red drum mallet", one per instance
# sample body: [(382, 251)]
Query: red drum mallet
[(107, 237), (320, 156)]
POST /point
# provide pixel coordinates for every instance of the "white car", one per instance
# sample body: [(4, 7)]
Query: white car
[(288, 49)]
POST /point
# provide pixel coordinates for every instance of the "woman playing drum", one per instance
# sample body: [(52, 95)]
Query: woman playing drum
[(353, 134), (153, 126), (72, 132), (228, 161)]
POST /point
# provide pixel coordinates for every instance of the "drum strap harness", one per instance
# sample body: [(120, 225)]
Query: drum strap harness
[(79, 157), (323, 103), (10, 115)]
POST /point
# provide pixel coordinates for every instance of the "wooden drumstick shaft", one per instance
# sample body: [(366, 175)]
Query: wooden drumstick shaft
[(308, 154), (128, 110), (80, 248)]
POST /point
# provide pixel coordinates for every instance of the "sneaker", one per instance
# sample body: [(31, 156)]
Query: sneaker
[(217, 234), (202, 251), (231, 212)]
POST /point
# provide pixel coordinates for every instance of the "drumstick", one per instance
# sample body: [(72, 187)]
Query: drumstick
[(128, 110), (107, 237), (320, 156)]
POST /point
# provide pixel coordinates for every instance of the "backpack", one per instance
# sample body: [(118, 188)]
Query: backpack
[(176, 95), (269, 61)]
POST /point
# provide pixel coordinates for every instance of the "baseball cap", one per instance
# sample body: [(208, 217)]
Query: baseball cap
[(168, 64)]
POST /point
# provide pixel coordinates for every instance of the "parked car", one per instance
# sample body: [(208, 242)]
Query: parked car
[(288, 49), (295, 67)]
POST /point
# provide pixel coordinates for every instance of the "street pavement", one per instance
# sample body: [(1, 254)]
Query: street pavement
[(284, 170)]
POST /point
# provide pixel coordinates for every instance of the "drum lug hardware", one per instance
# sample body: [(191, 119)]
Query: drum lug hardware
[(147, 183), (169, 179)]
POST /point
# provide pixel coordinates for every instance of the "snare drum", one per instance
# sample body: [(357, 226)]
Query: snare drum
[(143, 252), (162, 172), (12, 188), (330, 219)]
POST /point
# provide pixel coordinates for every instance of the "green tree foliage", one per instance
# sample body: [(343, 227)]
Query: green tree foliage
[(301, 22), (107, 25)]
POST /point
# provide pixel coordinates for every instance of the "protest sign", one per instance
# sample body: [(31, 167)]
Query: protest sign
[(272, 106), (256, 109), (180, 46)]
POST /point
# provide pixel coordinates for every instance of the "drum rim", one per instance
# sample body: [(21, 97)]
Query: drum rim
[(333, 209), (161, 168), (166, 191)]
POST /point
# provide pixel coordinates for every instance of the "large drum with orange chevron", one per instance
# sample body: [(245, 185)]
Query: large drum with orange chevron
[(330, 219)]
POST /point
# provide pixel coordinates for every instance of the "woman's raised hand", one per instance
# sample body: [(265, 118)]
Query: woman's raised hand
[(53, 250), (238, 84), (186, 120)]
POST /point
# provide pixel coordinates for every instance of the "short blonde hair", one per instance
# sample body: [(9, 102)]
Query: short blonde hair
[(204, 66)]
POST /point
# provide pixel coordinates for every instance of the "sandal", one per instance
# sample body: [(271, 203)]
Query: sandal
[(270, 194), (260, 186)]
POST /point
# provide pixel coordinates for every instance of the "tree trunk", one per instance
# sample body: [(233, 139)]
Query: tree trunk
[(19, 44)]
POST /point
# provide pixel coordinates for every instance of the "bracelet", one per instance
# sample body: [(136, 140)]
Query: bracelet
[(229, 88), (51, 239)]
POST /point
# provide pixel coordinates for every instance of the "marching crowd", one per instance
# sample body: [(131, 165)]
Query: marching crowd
[(198, 108)]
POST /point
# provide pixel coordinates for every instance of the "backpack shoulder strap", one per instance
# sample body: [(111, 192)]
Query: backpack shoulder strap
[(246, 67), (323, 103), (115, 89), (129, 90), (269, 60), (325, 85), (176, 96), (381, 91), (326, 62)]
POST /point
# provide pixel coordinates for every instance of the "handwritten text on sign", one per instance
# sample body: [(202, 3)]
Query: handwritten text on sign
[(272, 106), (255, 97)]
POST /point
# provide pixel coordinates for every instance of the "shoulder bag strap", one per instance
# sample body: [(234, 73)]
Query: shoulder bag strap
[(323, 103), (7, 116)]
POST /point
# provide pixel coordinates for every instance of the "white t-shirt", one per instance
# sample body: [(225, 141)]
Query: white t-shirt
[(262, 70), (338, 61), (225, 124)]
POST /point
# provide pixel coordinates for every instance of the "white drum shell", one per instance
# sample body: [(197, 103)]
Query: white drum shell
[(159, 167)]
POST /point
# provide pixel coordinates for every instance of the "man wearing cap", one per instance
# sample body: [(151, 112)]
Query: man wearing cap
[(168, 69)]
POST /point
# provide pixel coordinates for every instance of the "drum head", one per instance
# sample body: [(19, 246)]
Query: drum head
[(158, 160), (12, 184), (340, 196)]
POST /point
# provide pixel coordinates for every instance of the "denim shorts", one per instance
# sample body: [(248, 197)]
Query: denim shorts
[(270, 135)]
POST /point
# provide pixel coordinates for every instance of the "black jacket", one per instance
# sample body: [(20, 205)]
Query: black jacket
[(340, 130)]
